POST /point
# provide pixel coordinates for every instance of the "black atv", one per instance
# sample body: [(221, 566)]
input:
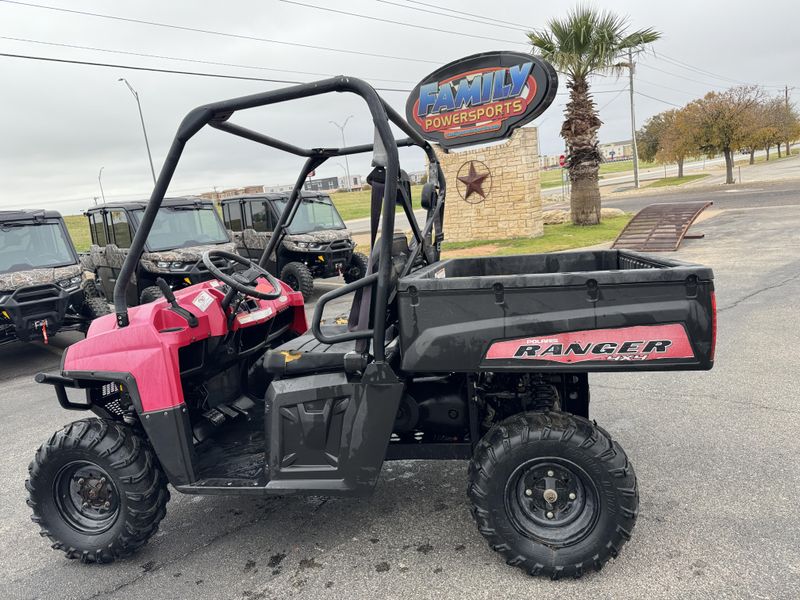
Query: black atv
[(43, 289), (316, 245), (480, 359), (183, 230)]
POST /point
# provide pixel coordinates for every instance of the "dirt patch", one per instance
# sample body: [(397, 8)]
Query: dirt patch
[(474, 251)]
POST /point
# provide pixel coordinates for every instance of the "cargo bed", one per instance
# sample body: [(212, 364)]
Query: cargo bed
[(585, 311)]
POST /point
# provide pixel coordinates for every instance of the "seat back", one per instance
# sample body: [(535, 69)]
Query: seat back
[(361, 308)]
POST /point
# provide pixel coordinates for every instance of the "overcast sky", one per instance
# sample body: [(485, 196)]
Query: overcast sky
[(60, 123)]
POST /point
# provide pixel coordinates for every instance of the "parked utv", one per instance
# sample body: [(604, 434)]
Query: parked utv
[(218, 389), (184, 228), (316, 245), (42, 288)]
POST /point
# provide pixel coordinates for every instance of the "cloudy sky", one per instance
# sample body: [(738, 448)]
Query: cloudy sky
[(60, 123)]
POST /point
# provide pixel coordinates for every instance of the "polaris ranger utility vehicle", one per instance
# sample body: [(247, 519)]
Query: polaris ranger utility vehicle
[(316, 245), (183, 230), (218, 389), (42, 288)]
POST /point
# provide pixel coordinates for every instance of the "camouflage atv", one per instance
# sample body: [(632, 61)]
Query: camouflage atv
[(317, 244), (42, 287), (183, 230)]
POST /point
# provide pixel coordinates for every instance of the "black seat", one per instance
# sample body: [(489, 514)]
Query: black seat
[(306, 354)]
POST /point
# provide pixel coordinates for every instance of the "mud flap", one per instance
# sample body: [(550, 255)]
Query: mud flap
[(327, 435)]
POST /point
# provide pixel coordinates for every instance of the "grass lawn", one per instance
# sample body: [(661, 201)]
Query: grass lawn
[(552, 177), (556, 237), (78, 227), (355, 205), (667, 181), (740, 160)]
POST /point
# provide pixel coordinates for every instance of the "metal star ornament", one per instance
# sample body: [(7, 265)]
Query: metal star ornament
[(474, 180)]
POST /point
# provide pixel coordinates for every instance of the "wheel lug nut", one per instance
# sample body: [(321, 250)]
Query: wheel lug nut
[(102, 480), (80, 481), (107, 505), (529, 492), (550, 473), (549, 515), (572, 496), (85, 505)]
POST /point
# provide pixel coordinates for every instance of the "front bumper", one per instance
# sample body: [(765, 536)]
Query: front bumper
[(197, 273), (27, 311), (327, 261)]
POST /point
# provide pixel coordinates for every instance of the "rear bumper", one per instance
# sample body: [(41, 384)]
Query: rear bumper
[(27, 310)]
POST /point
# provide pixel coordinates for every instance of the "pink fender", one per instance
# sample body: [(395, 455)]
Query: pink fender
[(148, 347)]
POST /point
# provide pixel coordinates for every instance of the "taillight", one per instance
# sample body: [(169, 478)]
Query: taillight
[(713, 324)]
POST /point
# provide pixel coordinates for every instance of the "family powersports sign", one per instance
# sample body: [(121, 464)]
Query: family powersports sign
[(480, 98)]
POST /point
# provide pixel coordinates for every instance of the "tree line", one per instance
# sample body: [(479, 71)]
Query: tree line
[(740, 119)]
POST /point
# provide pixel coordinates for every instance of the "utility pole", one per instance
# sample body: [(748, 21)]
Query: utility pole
[(633, 123), (144, 130), (100, 181), (344, 144)]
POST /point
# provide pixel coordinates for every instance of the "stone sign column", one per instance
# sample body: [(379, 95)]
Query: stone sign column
[(493, 192)]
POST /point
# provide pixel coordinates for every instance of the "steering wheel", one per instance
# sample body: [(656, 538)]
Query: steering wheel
[(243, 281)]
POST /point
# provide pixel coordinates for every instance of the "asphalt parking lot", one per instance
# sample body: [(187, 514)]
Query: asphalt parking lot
[(716, 455)]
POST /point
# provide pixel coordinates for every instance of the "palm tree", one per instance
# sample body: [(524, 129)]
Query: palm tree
[(585, 43)]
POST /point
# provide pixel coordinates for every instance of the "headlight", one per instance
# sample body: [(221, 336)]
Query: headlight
[(162, 265), (302, 244), (177, 266), (70, 283), (314, 245)]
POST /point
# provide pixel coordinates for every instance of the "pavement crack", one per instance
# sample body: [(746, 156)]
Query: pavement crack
[(757, 292)]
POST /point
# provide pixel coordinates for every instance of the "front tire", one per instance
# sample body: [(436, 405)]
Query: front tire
[(357, 268), (553, 493), (96, 491), (150, 294), (298, 277)]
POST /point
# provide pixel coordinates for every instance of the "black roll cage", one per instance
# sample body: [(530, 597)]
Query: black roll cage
[(217, 115)]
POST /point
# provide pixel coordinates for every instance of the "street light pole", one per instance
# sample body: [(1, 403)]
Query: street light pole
[(344, 144), (144, 130), (633, 124), (100, 181)]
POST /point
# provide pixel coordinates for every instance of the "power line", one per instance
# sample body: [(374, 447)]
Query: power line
[(461, 12), (391, 22), (169, 71), (191, 60), (214, 32), (481, 20), (637, 92)]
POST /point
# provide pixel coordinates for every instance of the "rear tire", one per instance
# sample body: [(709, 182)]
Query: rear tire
[(150, 294), (298, 277), (357, 267), (553, 493), (96, 491)]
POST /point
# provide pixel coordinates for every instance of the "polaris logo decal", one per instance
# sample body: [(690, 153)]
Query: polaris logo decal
[(640, 343)]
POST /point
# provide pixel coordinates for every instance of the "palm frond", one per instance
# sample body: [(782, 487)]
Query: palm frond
[(588, 40)]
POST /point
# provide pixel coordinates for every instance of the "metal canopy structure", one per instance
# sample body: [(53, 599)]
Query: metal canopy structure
[(385, 155), (660, 227)]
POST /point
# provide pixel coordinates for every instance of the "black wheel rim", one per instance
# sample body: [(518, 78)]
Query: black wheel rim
[(552, 501), (86, 497)]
